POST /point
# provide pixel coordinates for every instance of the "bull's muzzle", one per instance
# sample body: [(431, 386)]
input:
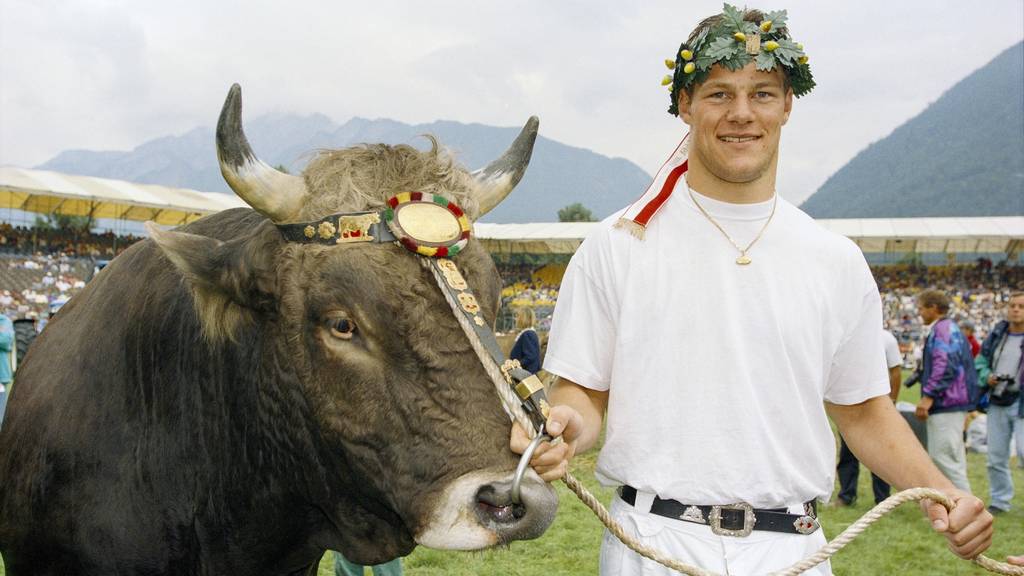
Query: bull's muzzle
[(477, 511), (523, 520)]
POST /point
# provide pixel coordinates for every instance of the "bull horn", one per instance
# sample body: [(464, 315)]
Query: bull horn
[(270, 192), (499, 177)]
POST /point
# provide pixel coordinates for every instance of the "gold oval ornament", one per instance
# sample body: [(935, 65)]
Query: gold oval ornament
[(743, 260), (428, 223)]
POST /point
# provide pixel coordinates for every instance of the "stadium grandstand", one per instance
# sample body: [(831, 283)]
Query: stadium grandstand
[(975, 260), (42, 265)]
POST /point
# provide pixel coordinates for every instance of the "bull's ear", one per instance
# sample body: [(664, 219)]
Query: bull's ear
[(230, 281)]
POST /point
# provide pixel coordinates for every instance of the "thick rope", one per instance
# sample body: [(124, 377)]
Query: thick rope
[(818, 557)]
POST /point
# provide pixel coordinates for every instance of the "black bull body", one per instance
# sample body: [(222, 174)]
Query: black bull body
[(221, 401)]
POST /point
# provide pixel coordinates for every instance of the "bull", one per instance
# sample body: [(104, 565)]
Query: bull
[(221, 400)]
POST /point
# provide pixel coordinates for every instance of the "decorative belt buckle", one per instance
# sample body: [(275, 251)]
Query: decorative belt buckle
[(805, 524), (715, 519)]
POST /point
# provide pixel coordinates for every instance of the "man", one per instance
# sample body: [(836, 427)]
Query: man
[(949, 386), (712, 320), (968, 330), (848, 467), (1000, 370)]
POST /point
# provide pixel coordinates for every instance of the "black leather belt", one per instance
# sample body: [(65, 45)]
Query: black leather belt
[(733, 519)]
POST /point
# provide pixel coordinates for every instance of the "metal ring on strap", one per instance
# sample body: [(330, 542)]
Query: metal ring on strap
[(524, 462)]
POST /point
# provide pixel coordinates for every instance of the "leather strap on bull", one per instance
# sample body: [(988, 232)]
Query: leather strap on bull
[(432, 226), (528, 388)]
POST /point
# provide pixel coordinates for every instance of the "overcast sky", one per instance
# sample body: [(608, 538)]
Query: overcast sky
[(109, 75)]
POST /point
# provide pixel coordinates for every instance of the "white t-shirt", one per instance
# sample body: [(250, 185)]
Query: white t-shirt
[(716, 372), (893, 356)]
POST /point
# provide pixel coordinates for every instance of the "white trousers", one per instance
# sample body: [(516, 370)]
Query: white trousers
[(759, 553)]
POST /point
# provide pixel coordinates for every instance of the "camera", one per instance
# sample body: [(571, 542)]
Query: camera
[(1002, 381)]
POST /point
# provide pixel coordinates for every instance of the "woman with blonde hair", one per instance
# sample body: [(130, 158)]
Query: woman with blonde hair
[(527, 346)]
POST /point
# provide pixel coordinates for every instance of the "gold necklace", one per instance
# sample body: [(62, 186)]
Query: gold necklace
[(742, 259)]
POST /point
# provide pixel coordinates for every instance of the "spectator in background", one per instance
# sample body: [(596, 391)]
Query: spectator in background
[(342, 567), (968, 330), (1001, 371), (7, 345), (848, 467), (948, 387), (527, 346)]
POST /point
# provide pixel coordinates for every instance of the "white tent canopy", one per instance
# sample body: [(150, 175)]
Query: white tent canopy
[(48, 192), (53, 192), (989, 234), (986, 234)]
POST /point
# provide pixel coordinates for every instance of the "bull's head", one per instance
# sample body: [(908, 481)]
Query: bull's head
[(407, 431)]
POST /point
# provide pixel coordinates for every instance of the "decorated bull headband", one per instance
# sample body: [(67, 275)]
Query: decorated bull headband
[(427, 224), (733, 43), (432, 226)]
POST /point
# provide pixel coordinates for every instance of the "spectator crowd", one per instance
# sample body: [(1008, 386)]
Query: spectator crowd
[(45, 241), (978, 295), (41, 266)]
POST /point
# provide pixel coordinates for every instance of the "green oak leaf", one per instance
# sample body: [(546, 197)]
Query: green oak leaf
[(778, 18), (737, 62), (765, 61), (733, 16), (788, 52), (721, 48)]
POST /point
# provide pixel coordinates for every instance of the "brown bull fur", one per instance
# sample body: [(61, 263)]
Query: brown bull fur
[(133, 445)]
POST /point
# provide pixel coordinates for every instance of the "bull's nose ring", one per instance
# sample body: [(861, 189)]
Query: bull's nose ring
[(524, 463)]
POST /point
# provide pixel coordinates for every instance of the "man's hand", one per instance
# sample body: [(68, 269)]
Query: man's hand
[(968, 527), (1015, 560), (921, 412), (992, 380), (551, 461)]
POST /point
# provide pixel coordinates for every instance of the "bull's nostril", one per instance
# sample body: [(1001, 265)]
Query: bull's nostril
[(496, 511), (518, 511), (500, 514), (488, 494), (494, 504)]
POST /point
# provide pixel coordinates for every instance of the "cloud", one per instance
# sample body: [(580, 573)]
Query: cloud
[(111, 74)]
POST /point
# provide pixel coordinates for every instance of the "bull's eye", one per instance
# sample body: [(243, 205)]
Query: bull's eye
[(342, 328)]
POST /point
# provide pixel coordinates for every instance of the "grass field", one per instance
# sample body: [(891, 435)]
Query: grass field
[(901, 543)]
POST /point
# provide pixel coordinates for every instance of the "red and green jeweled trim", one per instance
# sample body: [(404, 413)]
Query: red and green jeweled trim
[(426, 248)]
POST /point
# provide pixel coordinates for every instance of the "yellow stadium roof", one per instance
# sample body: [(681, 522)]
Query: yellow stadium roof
[(53, 192)]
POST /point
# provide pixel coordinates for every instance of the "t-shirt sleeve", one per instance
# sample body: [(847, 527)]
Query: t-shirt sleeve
[(893, 356), (858, 370), (582, 339)]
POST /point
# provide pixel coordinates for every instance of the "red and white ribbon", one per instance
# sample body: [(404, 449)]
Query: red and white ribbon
[(639, 214)]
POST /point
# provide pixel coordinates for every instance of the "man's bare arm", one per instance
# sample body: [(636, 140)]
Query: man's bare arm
[(577, 414), (894, 383), (883, 441)]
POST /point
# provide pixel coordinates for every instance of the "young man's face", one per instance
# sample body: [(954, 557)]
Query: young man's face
[(736, 119), (1015, 311)]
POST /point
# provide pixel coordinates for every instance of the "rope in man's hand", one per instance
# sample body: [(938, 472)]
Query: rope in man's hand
[(826, 551)]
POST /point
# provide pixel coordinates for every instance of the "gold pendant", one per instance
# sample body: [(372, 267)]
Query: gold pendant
[(743, 260)]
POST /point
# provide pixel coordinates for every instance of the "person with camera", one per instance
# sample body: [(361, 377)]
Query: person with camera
[(1000, 372)]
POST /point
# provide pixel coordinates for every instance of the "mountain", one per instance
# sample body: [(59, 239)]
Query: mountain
[(962, 156), (559, 175)]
